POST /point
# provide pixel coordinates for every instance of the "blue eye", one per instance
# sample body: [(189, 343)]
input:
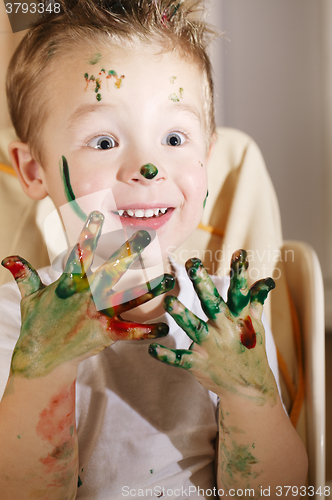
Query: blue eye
[(102, 142), (174, 139)]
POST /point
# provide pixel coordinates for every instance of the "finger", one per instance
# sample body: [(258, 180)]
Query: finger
[(194, 327), (182, 358), (207, 293), (129, 299), (238, 293), (258, 294), (25, 275), (74, 279), (128, 330), (111, 271), (81, 256)]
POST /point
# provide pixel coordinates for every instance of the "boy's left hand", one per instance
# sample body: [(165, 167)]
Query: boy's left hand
[(228, 352)]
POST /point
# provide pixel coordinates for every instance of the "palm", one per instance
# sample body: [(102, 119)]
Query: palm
[(228, 351), (61, 323)]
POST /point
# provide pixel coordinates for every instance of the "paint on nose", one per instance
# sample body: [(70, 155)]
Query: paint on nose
[(149, 171)]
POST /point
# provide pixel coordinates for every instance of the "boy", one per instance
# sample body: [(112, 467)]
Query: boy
[(120, 94)]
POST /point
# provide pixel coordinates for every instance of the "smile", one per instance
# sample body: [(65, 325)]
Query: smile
[(141, 213)]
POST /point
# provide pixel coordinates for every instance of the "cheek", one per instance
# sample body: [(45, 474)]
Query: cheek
[(194, 184)]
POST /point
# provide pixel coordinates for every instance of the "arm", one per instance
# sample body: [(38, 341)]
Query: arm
[(61, 326), (257, 444)]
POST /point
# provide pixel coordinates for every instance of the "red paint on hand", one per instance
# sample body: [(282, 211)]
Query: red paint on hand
[(248, 334), (16, 267)]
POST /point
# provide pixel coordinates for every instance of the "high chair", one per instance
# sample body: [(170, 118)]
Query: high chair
[(241, 212)]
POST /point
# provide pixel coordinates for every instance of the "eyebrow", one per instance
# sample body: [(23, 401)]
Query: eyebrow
[(188, 108), (87, 109)]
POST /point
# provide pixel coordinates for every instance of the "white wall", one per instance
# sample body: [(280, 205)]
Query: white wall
[(273, 71)]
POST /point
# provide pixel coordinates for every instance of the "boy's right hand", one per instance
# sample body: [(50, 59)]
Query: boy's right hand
[(60, 322)]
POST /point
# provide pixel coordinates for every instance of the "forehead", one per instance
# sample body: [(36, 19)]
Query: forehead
[(94, 75)]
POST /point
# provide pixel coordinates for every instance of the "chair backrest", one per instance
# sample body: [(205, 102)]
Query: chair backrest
[(304, 279)]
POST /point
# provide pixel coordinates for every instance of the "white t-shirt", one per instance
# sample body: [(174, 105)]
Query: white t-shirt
[(145, 429)]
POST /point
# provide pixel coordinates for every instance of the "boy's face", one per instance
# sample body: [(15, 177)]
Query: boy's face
[(114, 111)]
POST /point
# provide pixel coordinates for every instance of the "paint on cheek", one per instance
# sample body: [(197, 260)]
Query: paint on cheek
[(149, 171), (172, 79), (69, 193), (204, 203), (248, 335)]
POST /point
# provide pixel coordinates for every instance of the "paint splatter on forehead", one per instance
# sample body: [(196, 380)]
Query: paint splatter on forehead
[(176, 97), (95, 59), (97, 80)]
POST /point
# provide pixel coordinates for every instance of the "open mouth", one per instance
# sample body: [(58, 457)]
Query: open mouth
[(141, 213)]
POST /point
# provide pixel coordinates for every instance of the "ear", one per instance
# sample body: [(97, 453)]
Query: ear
[(28, 170)]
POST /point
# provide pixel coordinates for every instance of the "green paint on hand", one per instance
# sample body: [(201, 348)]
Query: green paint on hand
[(260, 290), (207, 292), (149, 171), (238, 294), (151, 471), (98, 96), (79, 482), (95, 58), (19, 437), (172, 79), (69, 190), (173, 357), (194, 327)]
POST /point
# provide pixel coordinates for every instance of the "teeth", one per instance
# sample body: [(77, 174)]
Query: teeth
[(140, 212)]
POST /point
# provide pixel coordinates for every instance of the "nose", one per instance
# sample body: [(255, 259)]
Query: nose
[(135, 171), (149, 171)]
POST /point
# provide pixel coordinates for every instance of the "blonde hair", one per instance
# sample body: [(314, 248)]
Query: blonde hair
[(174, 25)]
